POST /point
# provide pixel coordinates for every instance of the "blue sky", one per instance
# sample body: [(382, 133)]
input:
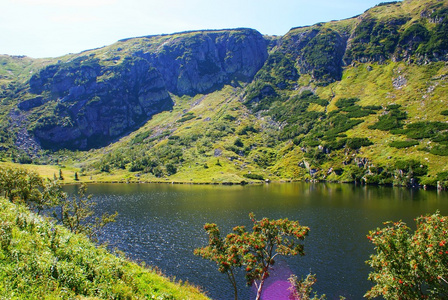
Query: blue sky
[(51, 28)]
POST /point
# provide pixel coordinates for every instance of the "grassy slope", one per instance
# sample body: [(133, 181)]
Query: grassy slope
[(208, 111), (40, 260), (423, 97)]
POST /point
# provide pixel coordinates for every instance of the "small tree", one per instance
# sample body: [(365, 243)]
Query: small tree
[(256, 250), (225, 252), (76, 212), (303, 290), (410, 265), (19, 184)]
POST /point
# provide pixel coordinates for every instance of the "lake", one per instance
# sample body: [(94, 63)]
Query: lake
[(161, 225)]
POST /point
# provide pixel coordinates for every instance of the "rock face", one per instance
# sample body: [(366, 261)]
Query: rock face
[(324, 49), (199, 62), (317, 51), (88, 102), (93, 104)]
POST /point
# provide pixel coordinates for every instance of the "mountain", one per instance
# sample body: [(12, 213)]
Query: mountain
[(89, 99), (361, 99)]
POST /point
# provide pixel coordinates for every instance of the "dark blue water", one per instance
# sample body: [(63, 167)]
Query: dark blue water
[(162, 224)]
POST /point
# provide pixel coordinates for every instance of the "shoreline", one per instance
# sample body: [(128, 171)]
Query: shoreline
[(244, 183)]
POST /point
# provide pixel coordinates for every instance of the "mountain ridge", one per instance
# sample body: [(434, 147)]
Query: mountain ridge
[(278, 93)]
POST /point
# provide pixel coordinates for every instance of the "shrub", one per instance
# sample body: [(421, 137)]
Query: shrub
[(410, 265), (440, 150), (246, 129), (238, 143), (171, 169), (186, 117), (411, 167), (442, 176), (24, 159), (254, 176), (346, 102), (139, 138), (356, 143), (393, 119), (422, 130), (403, 144), (229, 118)]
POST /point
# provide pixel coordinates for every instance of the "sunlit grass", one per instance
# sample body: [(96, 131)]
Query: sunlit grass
[(41, 260)]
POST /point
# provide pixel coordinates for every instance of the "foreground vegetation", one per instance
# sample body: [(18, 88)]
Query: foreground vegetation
[(406, 264), (40, 259), (254, 250), (410, 264)]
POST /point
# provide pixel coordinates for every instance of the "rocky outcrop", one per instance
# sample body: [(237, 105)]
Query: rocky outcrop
[(200, 62), (324, 49), (88, 102), (322, 56), (94, 104)]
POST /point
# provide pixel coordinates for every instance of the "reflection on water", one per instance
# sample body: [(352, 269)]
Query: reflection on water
[(161, 224)]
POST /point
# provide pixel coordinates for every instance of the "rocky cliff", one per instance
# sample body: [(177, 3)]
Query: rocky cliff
[(199, 62), (88, 104), (95, 97)]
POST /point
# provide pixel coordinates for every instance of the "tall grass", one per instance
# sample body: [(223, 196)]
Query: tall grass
[(41, 260)]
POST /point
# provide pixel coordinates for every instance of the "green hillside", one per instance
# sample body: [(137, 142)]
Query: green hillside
[(41, 260), (361, 99)]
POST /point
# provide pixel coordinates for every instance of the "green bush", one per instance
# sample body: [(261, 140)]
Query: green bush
[(422, 130), (356, 143), (393, 119), (139, 138), (238, 143), (440, 150), (412, 167), (346, 102), (442, 176), (340, 123), (24, 159), (403, 144), (186, 117), (246, 129), (171, 169), (229, 118), (254, 176)]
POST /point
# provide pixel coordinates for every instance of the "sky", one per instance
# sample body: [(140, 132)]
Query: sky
[(52, 28)]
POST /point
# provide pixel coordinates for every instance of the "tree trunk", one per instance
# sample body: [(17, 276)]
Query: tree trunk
[(259, 289), (233, 281)]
